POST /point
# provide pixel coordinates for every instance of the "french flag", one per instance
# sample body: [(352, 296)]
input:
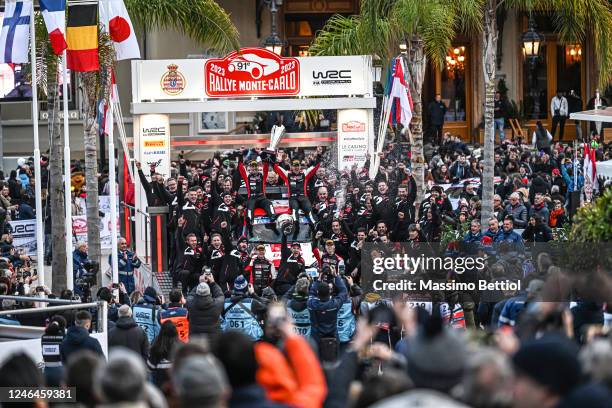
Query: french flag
[(54, 13)]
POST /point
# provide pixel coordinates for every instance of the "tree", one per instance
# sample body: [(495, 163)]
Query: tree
[(427, 27), (47, 63), (574, 21), (202, 20)]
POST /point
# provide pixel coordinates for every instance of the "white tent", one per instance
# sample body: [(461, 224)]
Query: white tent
[(595, 115), (604, 169)]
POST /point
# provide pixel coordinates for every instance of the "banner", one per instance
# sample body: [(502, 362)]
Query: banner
[(24, 235), (353, 136), (252, 72), (79, 223), (154, 143)]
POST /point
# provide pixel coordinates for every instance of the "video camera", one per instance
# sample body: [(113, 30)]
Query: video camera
[(89, 277)]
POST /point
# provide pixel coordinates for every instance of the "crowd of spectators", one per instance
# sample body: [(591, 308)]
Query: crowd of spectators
[(241, 329)]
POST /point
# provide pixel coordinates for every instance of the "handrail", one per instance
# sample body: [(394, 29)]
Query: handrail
[(37, 299), (101, 305)]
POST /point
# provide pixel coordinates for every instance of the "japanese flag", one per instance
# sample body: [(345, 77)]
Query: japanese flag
[(114, 16)]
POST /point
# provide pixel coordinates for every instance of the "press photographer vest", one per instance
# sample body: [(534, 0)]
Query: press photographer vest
[(239, 316), (301, 320), (145, 315), (51, 350), (346, 322)]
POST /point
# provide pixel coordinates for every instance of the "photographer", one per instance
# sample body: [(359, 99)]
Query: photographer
[(240, 311), (205, 306), (324, 311), (128, 261)]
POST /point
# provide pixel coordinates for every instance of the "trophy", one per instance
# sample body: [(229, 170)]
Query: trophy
[(275, 137)]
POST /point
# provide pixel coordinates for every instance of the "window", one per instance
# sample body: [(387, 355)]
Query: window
[(535, 95), (569, 59), (453, 84)]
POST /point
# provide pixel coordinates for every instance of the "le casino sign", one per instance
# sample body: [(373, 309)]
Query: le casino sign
[(252, 72)]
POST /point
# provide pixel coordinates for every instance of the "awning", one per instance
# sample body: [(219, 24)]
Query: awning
[(595, 115), (604, 169)]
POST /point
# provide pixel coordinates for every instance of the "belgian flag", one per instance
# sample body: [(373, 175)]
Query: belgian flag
[(82, 37)]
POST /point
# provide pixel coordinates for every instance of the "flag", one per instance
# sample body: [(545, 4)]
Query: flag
[(54, 13), (114, 15), (82, 38), (589, 167), (400, 95), (104, 119), (15, 37)]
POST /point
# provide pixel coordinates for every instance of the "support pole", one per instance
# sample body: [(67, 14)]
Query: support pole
[(40, 250), (67, 178), (113, 193)]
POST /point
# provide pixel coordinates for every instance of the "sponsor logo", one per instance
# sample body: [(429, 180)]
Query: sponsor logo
[(332, 77), (252, 72), (154, 143), (173, 82), (353, 126), (24, 229)]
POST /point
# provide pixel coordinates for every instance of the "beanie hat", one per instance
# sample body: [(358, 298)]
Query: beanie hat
[(240, 284), (551, 361), (301, 286), (436, 357), (203, 289), (200, 378)]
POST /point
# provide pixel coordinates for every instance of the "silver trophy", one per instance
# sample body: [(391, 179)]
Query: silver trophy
[(275, 137)]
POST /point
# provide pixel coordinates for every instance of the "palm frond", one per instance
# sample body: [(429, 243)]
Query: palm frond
[(437, 30), (468, 15), (339, 36), (202, 20)]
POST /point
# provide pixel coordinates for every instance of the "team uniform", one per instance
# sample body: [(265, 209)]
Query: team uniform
[(297, 184)]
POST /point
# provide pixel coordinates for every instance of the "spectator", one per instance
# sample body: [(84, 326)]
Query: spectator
[(437, 110), (79, 374), (147, 313), (205, 307), (499, 115), (559, 112), (201, 382), (78, 338), (50, 347), (128, 261), (160, 359), (517, 211), (176, 313), (128, 334)]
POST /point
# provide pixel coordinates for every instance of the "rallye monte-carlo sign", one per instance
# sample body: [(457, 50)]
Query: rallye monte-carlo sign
[(252, 72)]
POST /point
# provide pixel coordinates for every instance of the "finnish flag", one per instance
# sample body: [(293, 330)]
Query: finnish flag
[(15, 36)]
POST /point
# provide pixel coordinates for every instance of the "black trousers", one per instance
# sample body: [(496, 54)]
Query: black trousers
[(259, 202), (301, 203), (558, 120), (436, 134)]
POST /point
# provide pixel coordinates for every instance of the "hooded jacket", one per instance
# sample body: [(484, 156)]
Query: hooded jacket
[(204, 311), (78, 338), (127, 333)]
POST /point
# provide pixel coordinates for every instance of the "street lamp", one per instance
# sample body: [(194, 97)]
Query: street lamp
[(403, 47), (531, 42), (273, 42)]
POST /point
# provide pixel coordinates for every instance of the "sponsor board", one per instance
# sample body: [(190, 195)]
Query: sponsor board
[(252, 72), (24, 235), (154, 144), (352, 137)]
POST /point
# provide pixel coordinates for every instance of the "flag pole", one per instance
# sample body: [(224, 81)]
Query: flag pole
[(111, 166), (40, 250), (67, 178)]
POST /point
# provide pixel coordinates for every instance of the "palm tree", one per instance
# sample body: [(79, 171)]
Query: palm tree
[(574, 21), (427, 27), (201, 20), (47, 65)]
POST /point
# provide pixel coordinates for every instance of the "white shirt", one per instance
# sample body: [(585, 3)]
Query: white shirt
[(560, 104)]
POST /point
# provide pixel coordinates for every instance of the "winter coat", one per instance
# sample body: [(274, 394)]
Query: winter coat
[(324, 314), (292, 376), (78, 338), (519, 214), (251, 396), (127, 333), (204, 311)]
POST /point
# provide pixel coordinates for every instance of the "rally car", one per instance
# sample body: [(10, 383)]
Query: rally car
[(264, 233)]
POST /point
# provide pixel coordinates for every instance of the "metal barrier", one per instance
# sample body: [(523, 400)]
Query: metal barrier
[(102, 310)]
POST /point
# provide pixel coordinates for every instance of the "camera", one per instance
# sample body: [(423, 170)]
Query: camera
[(89, 277), (284, 223)]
